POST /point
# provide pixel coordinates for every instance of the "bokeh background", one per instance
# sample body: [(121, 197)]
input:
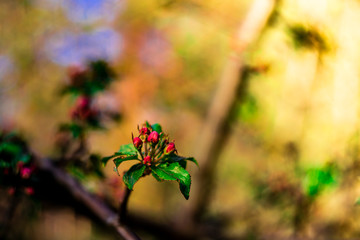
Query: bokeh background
[(290, 165)]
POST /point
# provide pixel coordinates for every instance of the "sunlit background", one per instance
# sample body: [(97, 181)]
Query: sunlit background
[(294, 134)]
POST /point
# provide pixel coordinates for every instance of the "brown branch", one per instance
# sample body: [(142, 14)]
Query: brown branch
[(55, 178), (97, 206), (216, 128)]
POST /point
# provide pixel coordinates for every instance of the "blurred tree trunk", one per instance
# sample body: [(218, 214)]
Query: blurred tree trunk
[(216, 127)]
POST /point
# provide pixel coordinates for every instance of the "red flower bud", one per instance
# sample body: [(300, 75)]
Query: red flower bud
[(83, 102), (137, 142), (153, 137), (144, 131), (29, 190), (170, 148), (83, 110), (25, 172), (147, 160)]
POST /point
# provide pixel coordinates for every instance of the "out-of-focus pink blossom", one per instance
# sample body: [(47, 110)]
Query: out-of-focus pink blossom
[(25, 172), (29, 190)]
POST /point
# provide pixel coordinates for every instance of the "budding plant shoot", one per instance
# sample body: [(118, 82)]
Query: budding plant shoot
[(156, 155)]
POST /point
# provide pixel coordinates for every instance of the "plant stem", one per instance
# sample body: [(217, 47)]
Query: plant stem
[(123, 206), (146, 149)]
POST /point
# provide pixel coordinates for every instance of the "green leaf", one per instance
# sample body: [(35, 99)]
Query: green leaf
[(172, 157), (25, 158), (75, 129), (308, 37), (317, 179), (191, 159), (175, 172), (247, 108), (127, 149), (115, 170), (77, 173), (157, 128), (183, 164), (4, 164), (121, 155), (156, 177), (133, 175), (104, 160), (163, 173), (10, 147), (95, 161), (185, 188), (119, 160)]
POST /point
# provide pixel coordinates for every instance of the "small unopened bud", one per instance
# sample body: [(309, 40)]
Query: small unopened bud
[(29, 190), (147, 160), (84, 110), (83, 102), (170, 148), (137, 143), (153, 137), (144, 131), (25, 172)]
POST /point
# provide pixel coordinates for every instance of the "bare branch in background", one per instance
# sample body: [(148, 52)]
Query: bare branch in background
[(97, 206), (216, 127)]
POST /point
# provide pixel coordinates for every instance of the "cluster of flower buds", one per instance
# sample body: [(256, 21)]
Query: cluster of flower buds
[(84, 110), (26, 190), (22, 171), (152, 145)]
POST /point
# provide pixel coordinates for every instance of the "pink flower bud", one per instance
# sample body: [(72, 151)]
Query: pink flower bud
[(147, 160), (153, 137), (83, 110), (137, 142), (83, 102), (25, 172), (170, 148), (29, 190), (144, 131)]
